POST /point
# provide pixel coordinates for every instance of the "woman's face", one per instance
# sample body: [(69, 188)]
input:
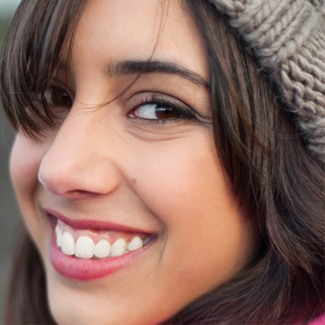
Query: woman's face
[(118, 177)]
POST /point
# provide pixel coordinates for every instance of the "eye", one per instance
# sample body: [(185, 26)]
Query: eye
[(157, 109), (57, 96), (152, 111)]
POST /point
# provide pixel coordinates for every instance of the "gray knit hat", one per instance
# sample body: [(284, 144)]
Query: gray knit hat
[(288, 39)]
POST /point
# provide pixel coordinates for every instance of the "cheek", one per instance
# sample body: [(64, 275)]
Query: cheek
[(24, 163), (181, 177), (190, 194)]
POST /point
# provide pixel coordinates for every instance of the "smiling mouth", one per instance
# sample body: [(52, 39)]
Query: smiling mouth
[(86, 250), (97, 244)]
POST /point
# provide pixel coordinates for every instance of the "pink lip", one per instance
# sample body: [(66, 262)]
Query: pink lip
[(92, 224), (89, 269)]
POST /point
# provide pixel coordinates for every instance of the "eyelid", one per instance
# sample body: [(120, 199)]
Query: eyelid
[(154, 96), (180, 109), (179, 106)]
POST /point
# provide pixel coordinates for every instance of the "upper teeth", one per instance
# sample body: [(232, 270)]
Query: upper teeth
[(84, 247)]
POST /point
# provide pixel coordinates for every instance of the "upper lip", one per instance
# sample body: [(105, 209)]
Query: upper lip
[(84, 223)]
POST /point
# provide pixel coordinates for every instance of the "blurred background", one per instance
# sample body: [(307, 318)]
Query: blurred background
[(9, 215)]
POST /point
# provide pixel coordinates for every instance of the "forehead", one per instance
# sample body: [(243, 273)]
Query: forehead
[(110, 31)]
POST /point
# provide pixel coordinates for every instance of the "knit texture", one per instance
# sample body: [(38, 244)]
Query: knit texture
[(288, 39)]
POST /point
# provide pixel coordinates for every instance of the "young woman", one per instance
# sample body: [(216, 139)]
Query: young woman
[(168, 161)]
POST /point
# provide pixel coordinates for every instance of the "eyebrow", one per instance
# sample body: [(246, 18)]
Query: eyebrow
[(127, 67)]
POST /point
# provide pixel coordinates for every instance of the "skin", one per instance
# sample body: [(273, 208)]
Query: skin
[(106, 162)]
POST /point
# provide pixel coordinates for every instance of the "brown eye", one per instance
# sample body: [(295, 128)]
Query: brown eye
[(153, 111), (56, 96)]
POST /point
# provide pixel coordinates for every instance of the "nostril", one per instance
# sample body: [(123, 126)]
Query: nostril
[(39, 178), (75, 177), (42, 173), (51, 178), (77, 194), (78, 168)]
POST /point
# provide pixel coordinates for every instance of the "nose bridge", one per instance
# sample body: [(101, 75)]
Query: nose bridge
[(78, 160)]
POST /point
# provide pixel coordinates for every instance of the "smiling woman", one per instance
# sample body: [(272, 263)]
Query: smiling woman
[(158, 165)]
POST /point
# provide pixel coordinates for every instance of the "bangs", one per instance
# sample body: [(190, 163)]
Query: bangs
[(39, 33)]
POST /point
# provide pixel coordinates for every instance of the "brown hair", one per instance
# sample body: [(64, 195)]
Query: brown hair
[(277, 182)]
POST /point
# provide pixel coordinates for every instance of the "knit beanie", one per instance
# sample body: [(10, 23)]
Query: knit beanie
[(287, 37)]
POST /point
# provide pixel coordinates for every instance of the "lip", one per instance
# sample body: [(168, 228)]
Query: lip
[(90, 269), (93, 224), (87, 270)]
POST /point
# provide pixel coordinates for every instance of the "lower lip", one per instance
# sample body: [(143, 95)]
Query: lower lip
[(89, 269)]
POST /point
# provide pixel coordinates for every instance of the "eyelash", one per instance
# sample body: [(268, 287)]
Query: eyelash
[(169, 105), (172, 106)]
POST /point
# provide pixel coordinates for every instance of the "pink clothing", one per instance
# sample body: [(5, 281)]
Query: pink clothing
[(318, 321)]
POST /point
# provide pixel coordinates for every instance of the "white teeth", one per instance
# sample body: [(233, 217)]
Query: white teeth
[(102, 248), (58, 234), (67, 244), (85, 247), (135, 244), (118, 248)]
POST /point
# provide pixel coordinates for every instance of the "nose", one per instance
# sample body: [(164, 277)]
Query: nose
[(79, 161)]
